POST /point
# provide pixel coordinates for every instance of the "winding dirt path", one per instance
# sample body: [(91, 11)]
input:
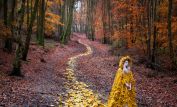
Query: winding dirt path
[(78, 93), (78, 74)]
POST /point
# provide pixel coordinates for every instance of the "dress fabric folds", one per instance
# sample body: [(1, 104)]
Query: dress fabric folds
[(120, 95)]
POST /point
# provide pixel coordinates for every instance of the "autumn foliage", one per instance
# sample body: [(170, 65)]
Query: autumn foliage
[(137, 24)]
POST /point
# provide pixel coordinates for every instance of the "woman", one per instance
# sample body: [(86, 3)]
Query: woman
[(123, 89)]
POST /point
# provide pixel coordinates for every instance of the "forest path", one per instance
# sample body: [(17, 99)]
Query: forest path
[(44, 76), (82, 69), (78, 93), (95, 69), (89, 75), (81, 72)]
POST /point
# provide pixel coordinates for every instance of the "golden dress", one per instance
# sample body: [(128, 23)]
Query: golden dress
[(120, 95)]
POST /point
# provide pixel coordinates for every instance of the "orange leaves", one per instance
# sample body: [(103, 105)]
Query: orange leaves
[(123, 34), (127, 14), (49, 30), (131, 20), (52, 20), (54, 2), (98, 21), (162, 25), (163, 8)]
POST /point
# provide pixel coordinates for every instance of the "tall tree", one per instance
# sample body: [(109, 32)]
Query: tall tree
[(28, 12), (154, 3), (149, 6), (90, 19), (18, 54), (106, 21), (41, 22), (68, 18), (5, 4), (8, 41), (170, 37), (28, 38)]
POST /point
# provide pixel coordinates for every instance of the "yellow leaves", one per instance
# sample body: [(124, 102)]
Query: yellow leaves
[(79, 95), (120, 95)]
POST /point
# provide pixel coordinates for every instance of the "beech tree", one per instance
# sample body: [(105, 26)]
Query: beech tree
[(8, 41), (147, 25), (170, 37), (67, 18), (28, 38), (41, 22)]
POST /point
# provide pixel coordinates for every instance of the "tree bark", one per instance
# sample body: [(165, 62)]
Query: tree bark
[(17, 61), (155, 32), (69, 6), (28, 13), (28, 38), (170, 3), (41, 21), (149, 30), (8, 41)]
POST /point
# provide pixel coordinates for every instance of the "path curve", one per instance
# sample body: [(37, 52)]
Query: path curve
[(78, 93)]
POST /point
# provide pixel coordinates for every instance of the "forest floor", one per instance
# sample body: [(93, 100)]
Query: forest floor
[(81, 70)]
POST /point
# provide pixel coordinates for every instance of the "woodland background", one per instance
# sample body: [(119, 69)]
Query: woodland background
[(147, 25), (144, 29)]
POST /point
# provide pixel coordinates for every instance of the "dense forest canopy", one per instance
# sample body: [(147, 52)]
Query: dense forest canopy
[(149, 25)]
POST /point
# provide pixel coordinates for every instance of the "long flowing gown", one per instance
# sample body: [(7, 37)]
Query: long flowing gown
[(120, 96)]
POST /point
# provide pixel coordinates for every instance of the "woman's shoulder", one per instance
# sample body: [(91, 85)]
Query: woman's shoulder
[(119, 72)]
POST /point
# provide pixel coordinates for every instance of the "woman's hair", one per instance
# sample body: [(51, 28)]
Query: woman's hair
[(123, 59)]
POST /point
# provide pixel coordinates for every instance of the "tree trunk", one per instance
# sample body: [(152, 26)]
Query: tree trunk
[(5, 3), (90, 26), (149, 30), (8, 41), (155, 33), (28, 13), (57, 38), (40, 23), (28, 38), (17, 61), (69, 6), (169, 29)]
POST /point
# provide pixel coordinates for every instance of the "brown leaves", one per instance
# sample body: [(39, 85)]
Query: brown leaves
[(43, 83)]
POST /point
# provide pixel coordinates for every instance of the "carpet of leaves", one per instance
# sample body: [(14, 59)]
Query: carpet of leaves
[(43, 81)]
